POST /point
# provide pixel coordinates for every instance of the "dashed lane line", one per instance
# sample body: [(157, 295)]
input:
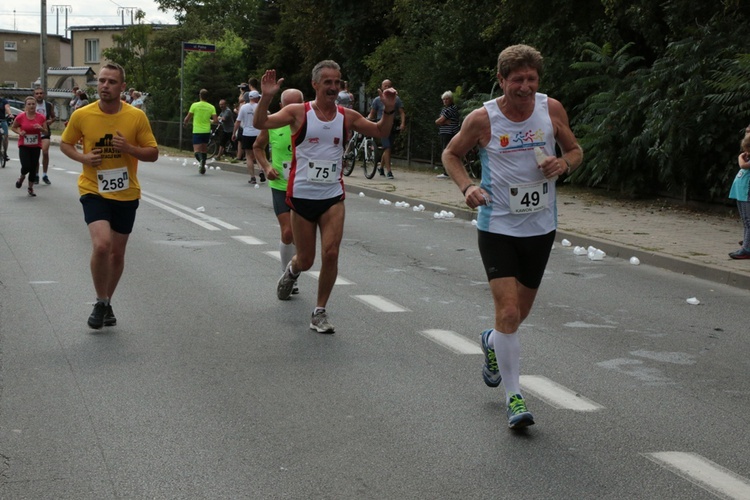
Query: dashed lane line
[(380, 303), (249, 240), (556, 395), (339, 279), (708, 475), (452, 341)]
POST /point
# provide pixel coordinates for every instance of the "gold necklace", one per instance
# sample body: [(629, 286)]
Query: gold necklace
[(322, 113)]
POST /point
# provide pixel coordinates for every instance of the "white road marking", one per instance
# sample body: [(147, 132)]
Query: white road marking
[(556, 395), (249, 240), (42, 282), (581, 324), (72, 172), (453, 341), (185, 216), (192, 211), (339, 279), (275, 254), (380, 303), (708, 475)]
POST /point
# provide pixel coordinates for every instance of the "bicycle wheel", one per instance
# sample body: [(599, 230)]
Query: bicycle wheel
[(212, 148), (2, 152), (473, 165), (347, 162), (368, 158)]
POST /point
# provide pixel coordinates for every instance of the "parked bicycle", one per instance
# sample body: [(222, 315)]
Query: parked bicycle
[(362, 149), (472, 163), (213, 144), (3, 149)]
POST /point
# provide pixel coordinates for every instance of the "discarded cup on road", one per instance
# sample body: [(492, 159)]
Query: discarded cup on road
[(635, 261), (693, 301), (361, 194), (596, 254), (580, 251), (565, 243)]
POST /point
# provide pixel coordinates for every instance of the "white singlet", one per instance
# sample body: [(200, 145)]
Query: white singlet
[(315, 173), (522, 199)]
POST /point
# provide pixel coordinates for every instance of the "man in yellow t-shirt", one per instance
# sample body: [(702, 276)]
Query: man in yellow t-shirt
[(116, 136), (203, 115)]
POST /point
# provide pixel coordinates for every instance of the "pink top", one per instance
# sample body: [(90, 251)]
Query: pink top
[(33, 137)]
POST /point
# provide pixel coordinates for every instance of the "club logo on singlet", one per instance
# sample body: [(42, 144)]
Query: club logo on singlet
[(521, 140)]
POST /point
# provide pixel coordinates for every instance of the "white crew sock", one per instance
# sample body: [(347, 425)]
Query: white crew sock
[(286, 252), (508, 352)]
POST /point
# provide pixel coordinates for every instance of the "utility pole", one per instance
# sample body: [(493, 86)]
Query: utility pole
[(57, 9), (43, 48), (129, 10)]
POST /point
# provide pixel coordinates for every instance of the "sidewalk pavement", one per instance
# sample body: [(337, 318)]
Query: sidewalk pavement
[(659, 233)]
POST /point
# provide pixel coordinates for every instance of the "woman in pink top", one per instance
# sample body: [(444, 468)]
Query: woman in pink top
[(29, 126)]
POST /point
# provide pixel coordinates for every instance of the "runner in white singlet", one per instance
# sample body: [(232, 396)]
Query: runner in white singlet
[(315, 191), (516, 199)]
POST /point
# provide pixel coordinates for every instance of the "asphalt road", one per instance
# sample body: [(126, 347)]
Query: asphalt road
[(210, 387)]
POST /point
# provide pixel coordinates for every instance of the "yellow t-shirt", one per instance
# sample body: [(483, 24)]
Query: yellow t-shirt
[(97, 130)]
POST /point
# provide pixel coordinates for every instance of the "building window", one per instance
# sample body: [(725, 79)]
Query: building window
[(92, 50), (10, 46)]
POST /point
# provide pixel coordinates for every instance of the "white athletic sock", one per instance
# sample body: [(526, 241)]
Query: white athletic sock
[(508, 352), (286, 252)]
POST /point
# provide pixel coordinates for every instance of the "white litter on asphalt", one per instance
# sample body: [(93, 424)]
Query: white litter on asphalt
[(596, 254), (635, 261), (200, 209), (565, 243), (443, 214), (693, 301)]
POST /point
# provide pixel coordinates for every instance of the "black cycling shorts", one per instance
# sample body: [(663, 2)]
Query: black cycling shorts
[(312, 209), (510, 256)]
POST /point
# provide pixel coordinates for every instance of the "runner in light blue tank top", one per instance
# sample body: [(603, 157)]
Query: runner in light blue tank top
[(516, 134)]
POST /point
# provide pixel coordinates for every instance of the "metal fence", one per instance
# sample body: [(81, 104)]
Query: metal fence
[(414, 149)]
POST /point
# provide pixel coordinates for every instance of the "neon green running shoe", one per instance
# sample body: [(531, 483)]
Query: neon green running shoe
[(490, 371), (518, 416)]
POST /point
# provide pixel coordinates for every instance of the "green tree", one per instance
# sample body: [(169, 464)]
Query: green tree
[(131, 51)]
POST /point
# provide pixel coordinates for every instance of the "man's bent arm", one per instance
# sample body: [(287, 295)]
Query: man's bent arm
[(259, 150), (147, 154), (71, 152)]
